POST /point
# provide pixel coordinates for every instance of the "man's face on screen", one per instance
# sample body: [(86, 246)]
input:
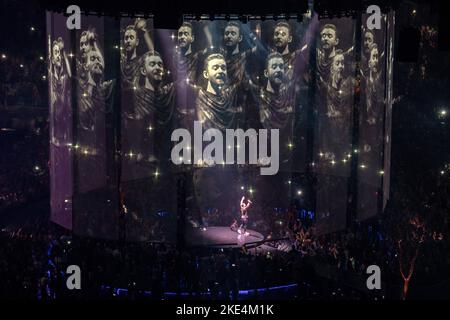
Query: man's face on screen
[(94, 63), (153, 68), (368, 40), (281, 37), (232, 36), (216, 72), (130, 40), (84, 46), (275, 70), (56, 56), (328, 38), (373, 61), (337, 67), (185, 37)]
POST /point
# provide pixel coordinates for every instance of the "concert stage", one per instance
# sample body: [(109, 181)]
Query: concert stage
[(222, 237)]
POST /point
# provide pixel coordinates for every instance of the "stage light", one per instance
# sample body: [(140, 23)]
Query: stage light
[(363, 166), (3, 56), (381, 172), (172, 36), (21, 65), (355, 151), (32, 28), (299, 192), (156, 174), (290, 145), (116, 47), (150, 128), (71, 55), (134, 88), (442, 113), (37, 168), (242, 187), (41, 58), (442, 172), (289, 182), (44, 77)]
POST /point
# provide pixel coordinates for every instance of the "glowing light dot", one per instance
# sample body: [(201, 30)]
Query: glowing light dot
[(3, 56), (32, 28)]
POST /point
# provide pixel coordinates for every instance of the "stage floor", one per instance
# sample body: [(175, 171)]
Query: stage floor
[(221, 237)]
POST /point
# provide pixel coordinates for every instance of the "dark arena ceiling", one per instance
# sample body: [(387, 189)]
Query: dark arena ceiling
[(247, 7)]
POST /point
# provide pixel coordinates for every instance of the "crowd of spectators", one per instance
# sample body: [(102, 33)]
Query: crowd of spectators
[(24, 174), (23, 81)]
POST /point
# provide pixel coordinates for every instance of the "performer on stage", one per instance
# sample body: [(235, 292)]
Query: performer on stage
[(244, 216)]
